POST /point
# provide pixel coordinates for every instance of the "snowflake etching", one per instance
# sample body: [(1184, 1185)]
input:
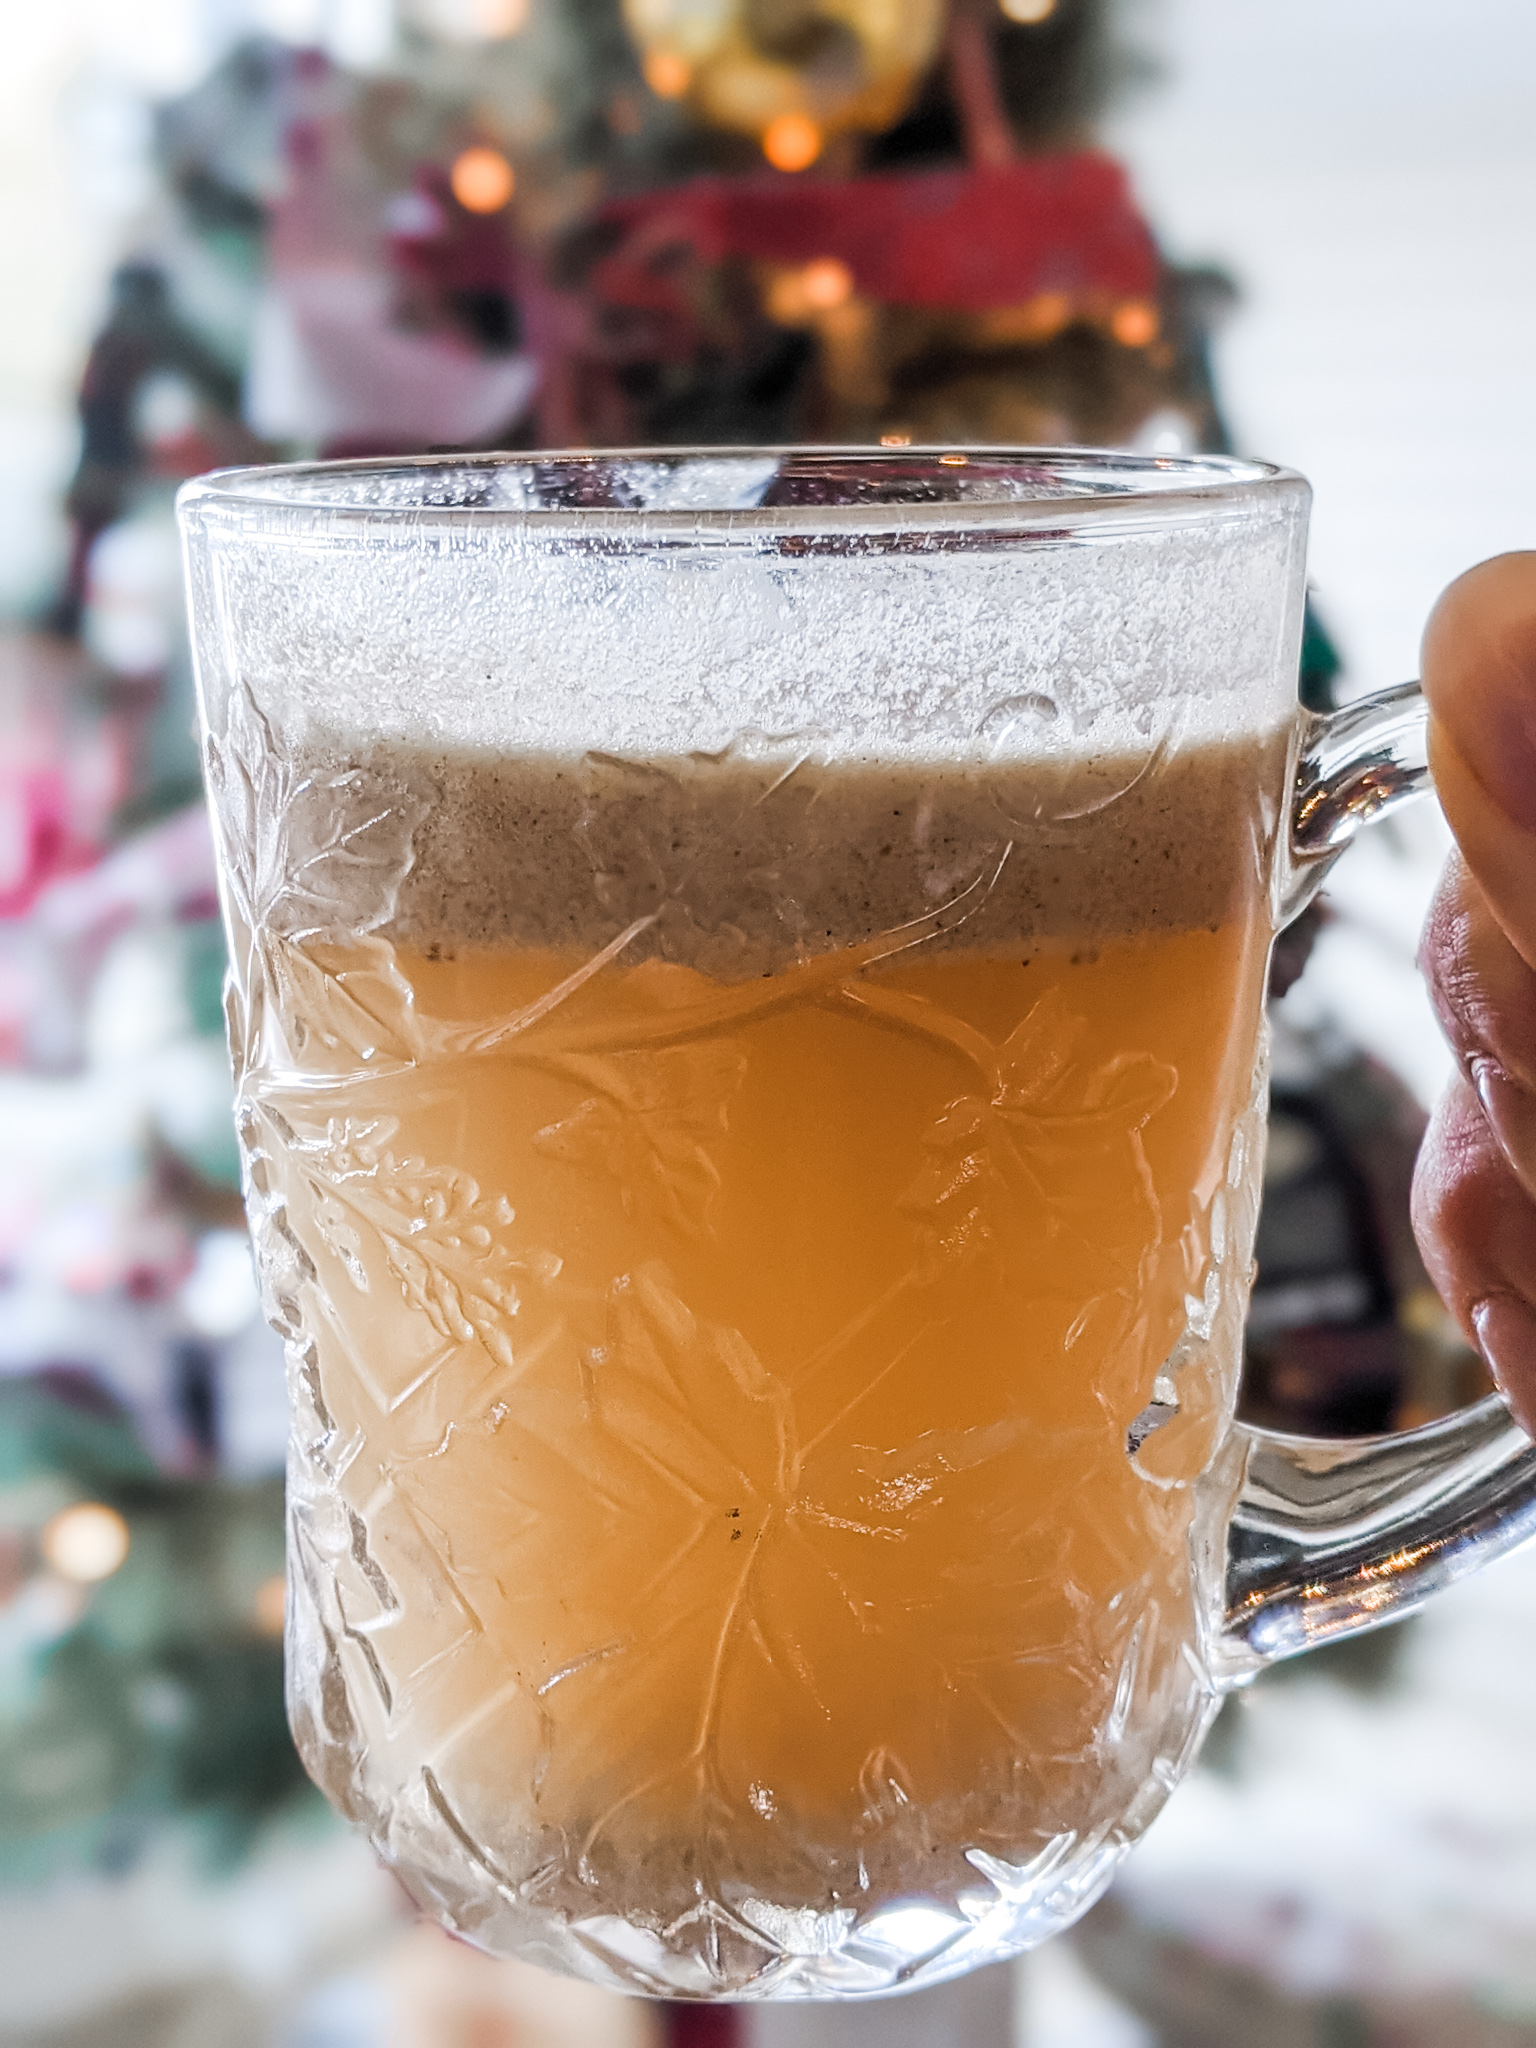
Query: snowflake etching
[(1020, 1156), (649, 1121), (311, 861), (706, 1601), (664, 1553)]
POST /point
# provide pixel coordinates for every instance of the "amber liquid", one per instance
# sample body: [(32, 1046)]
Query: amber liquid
[(733, 1387)]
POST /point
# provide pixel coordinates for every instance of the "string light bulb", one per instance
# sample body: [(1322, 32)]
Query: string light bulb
[(473, 21), (792, 142), (667, 74), (482, 180), (267, 1607), (498, 18), (86, 1542), (1134, 324), (826, 283)]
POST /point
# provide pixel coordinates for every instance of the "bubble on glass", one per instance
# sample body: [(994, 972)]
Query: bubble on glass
[(1015, 719)]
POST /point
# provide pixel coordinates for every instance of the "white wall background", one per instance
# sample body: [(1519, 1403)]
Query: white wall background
[(1367, 170)]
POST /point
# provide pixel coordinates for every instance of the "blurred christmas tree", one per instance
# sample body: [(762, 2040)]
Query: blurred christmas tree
[(530, 223), (575, 222), (141, 1658)]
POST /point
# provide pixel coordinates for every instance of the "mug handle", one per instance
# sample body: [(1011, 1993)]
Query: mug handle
[(1331, 1536)]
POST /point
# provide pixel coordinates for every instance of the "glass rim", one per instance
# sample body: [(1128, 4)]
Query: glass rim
[(1016, 487)]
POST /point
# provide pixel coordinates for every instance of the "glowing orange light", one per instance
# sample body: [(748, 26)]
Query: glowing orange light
[(817, 294), (1048, 312), (1038, 319), (1028, 11), (1134, 324), (784, 300), (482, 180), (267, 1607), (792, 142), (826, 283), (954, 461), (667, 74), (895, 440)]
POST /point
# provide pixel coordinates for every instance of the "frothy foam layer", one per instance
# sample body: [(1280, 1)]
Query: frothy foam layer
[(744, 862)]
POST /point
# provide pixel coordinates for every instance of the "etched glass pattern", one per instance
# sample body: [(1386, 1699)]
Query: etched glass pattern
[(753, 1152)]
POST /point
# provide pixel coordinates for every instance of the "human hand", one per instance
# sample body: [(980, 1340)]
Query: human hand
[(1475, 1188)]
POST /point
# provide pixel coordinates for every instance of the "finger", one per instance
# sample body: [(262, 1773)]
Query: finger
[(1480, 680), (1485, 998), (1477, 1230)]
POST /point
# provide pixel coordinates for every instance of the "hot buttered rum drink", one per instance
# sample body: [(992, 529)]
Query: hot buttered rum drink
[(748, 1221)]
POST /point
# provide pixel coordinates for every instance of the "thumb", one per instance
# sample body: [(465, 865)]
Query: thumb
[(1480, 680)]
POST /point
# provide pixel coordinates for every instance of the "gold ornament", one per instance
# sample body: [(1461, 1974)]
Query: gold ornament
[(793, 72)]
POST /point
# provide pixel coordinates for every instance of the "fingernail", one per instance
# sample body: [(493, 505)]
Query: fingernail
[(1506, 1336), (1511, 1113)]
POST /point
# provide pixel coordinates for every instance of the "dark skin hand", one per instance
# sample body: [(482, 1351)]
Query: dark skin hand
[(1475, 1189)]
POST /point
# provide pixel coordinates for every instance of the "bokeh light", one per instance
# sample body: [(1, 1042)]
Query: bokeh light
[(482, 180), (267, 1608), (792, 142), (1028, 12), (795, 298), (87, 1542), (826, 283), (1134, 324), (473, 21), (667, 74), (502, 17)]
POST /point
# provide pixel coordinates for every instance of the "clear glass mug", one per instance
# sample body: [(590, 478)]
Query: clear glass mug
[(747, 1008)]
